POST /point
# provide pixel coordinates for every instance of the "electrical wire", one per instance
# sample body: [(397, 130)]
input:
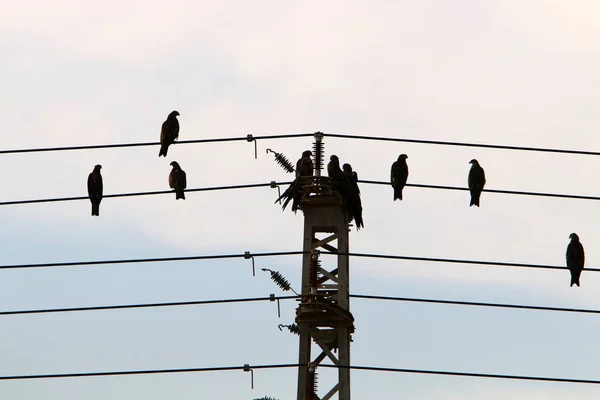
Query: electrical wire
[(204, 189), (475, 304), (287, 253), (463, 144), (143, 372), (274, 298), (274, 366), (457, 261), (148, 260), (498, 191), (466, 374), (275, 184), (248, 138), (251, 138), (146, 305)]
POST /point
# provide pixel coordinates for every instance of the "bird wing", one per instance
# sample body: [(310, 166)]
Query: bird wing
[(91, 184), (183, 179), (476, 177), (172, 179), (575, 255)]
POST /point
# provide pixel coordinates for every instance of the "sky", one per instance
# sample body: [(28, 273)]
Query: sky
[(513, 72)]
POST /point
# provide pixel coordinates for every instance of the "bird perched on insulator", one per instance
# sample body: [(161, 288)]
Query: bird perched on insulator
[(177, 180), (169, 133), (95, 189)]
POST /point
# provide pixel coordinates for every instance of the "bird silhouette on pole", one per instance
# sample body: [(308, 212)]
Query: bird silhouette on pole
[(476, 182), (168, 133), (304, 172), (177, 180), (95, 189), (575, 258), (399, 176)]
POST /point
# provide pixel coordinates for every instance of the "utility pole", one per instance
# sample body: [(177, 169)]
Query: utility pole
[(323, 314)]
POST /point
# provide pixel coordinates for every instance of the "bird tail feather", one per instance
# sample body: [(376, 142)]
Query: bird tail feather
[(163, 150), (475, 195), (96, 209), (397, 193), (179, 194)]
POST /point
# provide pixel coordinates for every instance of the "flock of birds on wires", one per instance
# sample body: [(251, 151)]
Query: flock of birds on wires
[(344, 181)]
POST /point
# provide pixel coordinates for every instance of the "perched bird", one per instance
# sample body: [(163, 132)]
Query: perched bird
[(399, 176), (352, 195), (575, 258), (177, 180), (476, 182), (168, 133), (333, 169), (304, 166), (95, 188), (304, 169)]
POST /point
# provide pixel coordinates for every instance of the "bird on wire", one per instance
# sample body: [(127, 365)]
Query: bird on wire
[(169, 132), (399, 175), (177, 180), (476, 182), (95, 189), (575, 258)]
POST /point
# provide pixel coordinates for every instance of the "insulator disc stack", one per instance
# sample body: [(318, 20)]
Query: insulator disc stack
[(311, 384), (294, 328), (314, 266), (280, 281), (282, 161), (318, 152)]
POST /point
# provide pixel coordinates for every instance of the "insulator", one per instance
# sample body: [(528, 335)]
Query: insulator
[(294, 328), (282, 161), (314, 264), (311, 383), (318, 151), (280, 280)]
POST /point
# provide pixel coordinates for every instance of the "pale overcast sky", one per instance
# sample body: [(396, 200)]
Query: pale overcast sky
[(517, 72)]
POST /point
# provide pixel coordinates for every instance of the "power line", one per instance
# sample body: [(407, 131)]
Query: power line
[(146, 305), (246, 255), (498, 191), (248, 138), (251, 138), (286, 253), (204, 189), (274, 184), (274, 366), (467, 374), (459, 261), (463, 144), (144, 372), (274, 298), (476, 304)]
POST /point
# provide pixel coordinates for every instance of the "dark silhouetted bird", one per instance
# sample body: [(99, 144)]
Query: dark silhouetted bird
[(476, 182), (304, 166), (575, 258), (352, 195), (168, 133), (399, 176), (95, 188), (304, 170), (334, 171), (177, 180)]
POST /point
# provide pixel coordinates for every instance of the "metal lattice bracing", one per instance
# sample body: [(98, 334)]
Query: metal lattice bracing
[(323, 315)]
